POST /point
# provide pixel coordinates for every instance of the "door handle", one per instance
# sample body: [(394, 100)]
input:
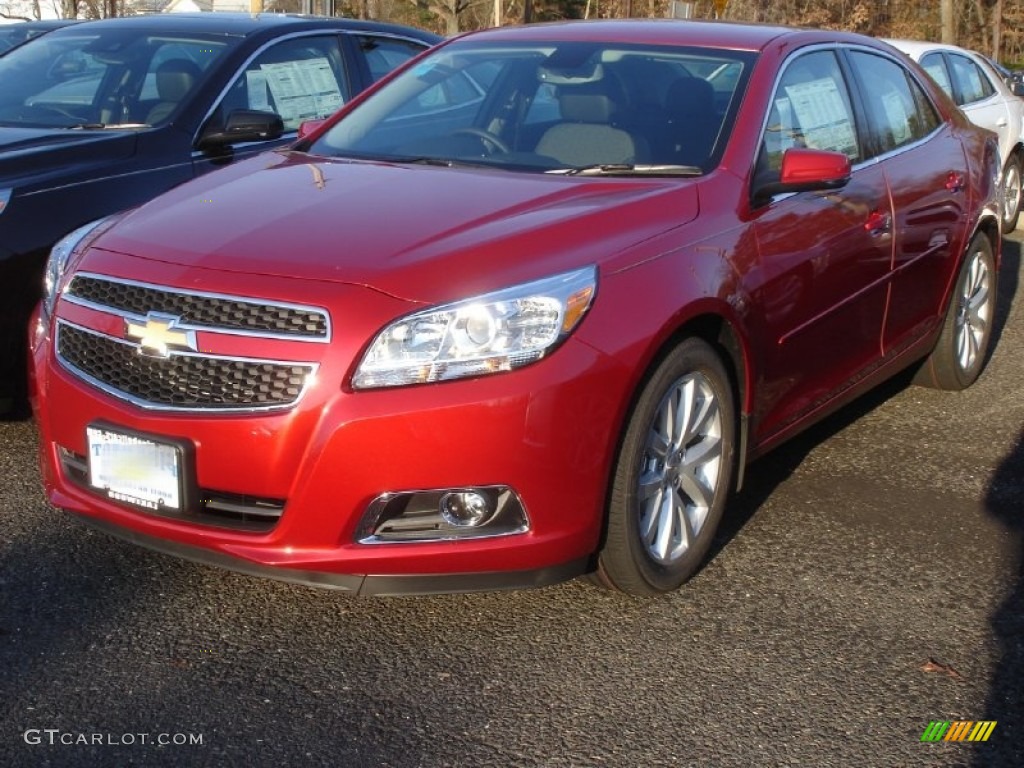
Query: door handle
[(1002, 122), (955, 181), (878, 223)]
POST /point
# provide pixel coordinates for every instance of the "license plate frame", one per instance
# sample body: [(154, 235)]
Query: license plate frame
[(141, 470)]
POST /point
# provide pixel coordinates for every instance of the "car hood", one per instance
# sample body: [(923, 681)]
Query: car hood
[(420, 233), (43, 152)]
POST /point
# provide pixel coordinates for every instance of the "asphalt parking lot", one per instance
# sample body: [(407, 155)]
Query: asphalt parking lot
[(868, 582)]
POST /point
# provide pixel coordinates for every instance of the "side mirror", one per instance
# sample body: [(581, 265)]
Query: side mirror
[(1017, 87), (243, 125), (807, 170)]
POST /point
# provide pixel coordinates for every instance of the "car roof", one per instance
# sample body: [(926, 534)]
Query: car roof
[(245, 24), (678, 32), (917, 48), (45, 23)]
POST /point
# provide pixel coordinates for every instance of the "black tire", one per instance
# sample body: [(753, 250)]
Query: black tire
[(959, 356), (1013, 193), (688, 476)]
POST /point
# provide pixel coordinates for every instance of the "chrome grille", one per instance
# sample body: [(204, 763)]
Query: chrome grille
[(199, 310), (180, 381)]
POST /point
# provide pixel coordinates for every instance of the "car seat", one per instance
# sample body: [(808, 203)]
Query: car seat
[(175, 78)]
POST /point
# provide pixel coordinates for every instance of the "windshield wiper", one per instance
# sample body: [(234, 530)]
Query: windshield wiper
[(440, 162), (106, 126), (629, 169)]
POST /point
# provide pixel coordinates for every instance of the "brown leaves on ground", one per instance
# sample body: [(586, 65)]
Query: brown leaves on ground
[(931, 665)]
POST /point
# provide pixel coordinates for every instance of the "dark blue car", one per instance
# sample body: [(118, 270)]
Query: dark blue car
[(102, 116)]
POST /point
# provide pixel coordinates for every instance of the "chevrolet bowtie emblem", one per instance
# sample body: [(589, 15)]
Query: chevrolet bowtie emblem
[(158, 335)]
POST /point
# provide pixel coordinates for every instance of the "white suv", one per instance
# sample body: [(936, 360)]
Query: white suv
[(986, 100)]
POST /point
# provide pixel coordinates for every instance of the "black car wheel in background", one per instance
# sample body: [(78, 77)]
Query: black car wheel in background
[(105, 115)]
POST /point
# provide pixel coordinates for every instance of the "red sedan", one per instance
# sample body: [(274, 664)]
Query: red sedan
[(524, 311)]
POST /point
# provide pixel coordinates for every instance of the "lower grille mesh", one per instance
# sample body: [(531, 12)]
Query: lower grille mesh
[(218, 508), (181, 381)]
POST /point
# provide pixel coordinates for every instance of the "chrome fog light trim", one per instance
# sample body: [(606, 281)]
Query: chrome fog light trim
[(443, 514)]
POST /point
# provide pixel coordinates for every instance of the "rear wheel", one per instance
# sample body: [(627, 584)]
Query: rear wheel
[(672, 475), (1013, 191), (959, 355)]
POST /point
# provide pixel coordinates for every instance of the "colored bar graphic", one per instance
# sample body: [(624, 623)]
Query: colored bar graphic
[(958, 730), (982, 730)]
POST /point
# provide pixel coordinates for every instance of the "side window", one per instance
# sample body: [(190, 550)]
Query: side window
[(970, 80), (810, 108), (384, 54), (898, 111), (186, 56), (299, 79), (935, 66)]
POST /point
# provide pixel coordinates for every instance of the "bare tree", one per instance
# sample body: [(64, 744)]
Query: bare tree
[(448, 11)]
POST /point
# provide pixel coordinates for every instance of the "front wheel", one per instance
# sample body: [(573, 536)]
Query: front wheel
[(1013, 192), (672, 475), (959, 355)]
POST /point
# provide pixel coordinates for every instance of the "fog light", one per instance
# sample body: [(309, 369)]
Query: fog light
[(443, 514), (466, 508)]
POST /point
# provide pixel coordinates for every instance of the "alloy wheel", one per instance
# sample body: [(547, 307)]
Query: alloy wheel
[(1012, 189), (681, 468), (974, 312)]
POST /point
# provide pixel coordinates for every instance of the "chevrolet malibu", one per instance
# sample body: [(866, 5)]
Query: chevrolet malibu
[(524, 311)]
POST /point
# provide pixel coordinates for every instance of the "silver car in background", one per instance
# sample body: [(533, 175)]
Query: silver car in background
[(983, 95)]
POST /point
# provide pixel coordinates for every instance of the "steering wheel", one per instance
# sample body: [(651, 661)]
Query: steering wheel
[(488, 138)]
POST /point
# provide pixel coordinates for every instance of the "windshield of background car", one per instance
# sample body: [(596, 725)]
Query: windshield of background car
[(123, 77), (11, 35), (552, 107)]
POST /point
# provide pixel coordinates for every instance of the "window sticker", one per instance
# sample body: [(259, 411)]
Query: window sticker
[(256, 85), (821, 114), (785, 128), (303, 90), (896, 116)]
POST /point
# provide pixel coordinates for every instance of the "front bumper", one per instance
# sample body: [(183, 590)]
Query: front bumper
[(379, 585), (547, 431)]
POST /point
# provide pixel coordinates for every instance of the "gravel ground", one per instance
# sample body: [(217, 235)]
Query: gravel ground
[(867, 581)]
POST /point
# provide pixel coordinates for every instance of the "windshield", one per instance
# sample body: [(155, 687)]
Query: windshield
[(122, 78), (557, 108)]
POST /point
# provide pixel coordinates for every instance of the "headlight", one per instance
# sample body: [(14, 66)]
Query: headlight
[(5, 198), (486, 334), (61, 253)]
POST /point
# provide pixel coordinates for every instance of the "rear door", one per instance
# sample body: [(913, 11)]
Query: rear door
[(926, 171), (980, 100), (970, 86)]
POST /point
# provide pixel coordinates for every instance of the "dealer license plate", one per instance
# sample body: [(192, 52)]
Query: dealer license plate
[(135, 469)]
